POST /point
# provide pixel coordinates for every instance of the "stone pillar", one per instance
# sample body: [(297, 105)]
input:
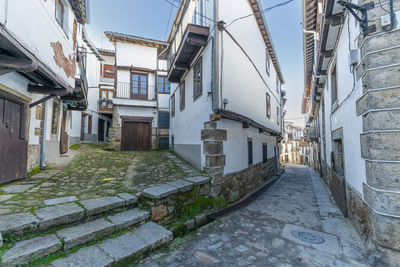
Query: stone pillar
[(114, 133), (380, 141), (213, 150)]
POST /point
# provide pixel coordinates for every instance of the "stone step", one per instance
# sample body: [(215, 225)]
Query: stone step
[(121, 250), (39, 247), (63, 214)]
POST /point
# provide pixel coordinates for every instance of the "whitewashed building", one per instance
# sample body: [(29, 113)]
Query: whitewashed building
[(294, 146), (42, 78), (226, 110), (352, 91), (140, 118)]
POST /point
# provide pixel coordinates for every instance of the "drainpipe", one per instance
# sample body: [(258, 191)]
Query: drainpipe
[(215, 65), (156, 85), (43, 146)]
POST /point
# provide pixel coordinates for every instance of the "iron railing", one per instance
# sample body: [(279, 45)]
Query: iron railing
[(135, 91)]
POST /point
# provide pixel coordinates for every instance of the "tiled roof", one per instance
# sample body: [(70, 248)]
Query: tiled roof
[(115, 36)]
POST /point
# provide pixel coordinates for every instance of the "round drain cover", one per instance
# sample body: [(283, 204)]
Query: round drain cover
[(308, 237)]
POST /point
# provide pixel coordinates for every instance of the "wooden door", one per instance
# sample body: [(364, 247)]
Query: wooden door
[(83, 127), (64, 135), (14, 147), (101, 130), (136, 136)]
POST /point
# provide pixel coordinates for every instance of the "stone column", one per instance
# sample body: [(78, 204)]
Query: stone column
[(380, 141)]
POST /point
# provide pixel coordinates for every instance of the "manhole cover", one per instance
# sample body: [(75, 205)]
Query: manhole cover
[(308, 237)]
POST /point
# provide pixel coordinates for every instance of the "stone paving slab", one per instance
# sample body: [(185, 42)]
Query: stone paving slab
[(27, 250), (60, 200), (85, 232), (129, 198), (160, 191), (88, 257), (129, 218), (17, 188), (5, 197), (124, 247), (1, 240), (59, 214), (182, 185), (153, 234), (101, 205), (198, 180), (18, 223)]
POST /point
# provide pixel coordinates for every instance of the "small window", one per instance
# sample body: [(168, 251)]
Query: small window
[(268, 105), (197, 80), (163, 120), (250, 151), (164, 87), (267, 63), (55, 115), (334, 85), (278, 115), (60, 13), (182, 96), (173, 105), (265, 152)]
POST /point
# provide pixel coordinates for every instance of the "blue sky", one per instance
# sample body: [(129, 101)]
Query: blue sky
[(149, 18)]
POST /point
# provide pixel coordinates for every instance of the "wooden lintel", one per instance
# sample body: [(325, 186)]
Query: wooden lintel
[(44, 99), (47, 90)]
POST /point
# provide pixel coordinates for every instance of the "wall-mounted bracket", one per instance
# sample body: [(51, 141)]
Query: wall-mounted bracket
[(353, 9)]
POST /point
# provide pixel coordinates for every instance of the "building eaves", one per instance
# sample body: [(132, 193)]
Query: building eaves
[(122, 37), (106, 52), (89, 43)]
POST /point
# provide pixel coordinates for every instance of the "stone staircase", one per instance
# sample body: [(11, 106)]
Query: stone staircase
[(94, 232)]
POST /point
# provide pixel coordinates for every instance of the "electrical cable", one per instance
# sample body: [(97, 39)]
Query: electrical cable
[(392, 16), (169, 20)]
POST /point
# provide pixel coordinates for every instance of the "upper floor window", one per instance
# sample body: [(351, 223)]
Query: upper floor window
[(164, 86), (139, 86), (198, 13), (108, 71), (267, 63), (182, 96), (334, 85), (268, 101), (197, 79), (61, 15), (265, 152), (250, 151), (173, 105)]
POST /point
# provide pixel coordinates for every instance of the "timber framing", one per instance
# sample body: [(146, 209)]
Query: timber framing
[(127, 38)]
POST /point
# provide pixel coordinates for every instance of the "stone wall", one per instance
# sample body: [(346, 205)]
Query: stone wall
[(33, 156), (114, 132)]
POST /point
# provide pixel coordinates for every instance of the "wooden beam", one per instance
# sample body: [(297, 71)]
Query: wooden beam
[(24, 64), (41, 101), (47, 90), (5, 70)]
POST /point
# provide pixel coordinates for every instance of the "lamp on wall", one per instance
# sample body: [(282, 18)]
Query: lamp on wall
[(225, 102)]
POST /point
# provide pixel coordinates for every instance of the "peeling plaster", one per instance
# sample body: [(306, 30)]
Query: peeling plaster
[(67, 64)]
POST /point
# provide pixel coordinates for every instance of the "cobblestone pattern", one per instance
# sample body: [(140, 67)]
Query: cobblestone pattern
[(253, 236)]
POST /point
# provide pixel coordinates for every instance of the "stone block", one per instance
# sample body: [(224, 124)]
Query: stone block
[(380, 42), (128, 218), (101, 205), (386, 231), (153, 234), (190, 224), (389, 77), (201, 220), (182, 185), (379, 59), (214, 135), (213, 147), (25, 251), (123, 248), (198, 180), (381, 145), (387, 202), (60, 200), (129, 198), (383, 175), (215, 160), (210, 125), (89, 256), (85, 232), (1, 240), (18, 223), (159, 212), (388, 98), (160, 191), (382, 120), (16, 188), (59, 215)]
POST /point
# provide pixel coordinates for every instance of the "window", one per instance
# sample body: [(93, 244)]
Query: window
[(173, 105), (267, 63), (164, 86), (197, 80), (250, 151), (265, 152), (163, 120), (139, 86), (278, 115), (60, 13), (54, 122), (268, 102), (198, 13), (333, 85), (182, 96), (108, 71)]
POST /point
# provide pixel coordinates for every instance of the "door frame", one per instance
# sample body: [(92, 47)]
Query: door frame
[(24, 104), (139, 96), (124, 119)]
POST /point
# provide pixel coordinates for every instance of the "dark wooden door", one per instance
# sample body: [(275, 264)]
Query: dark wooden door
[(136, 136), (83, 127), (101, 130), (14, 147), (64, 135)]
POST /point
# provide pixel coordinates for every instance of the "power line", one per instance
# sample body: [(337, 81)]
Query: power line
[(262, 11), (169, 20), (201, 15)]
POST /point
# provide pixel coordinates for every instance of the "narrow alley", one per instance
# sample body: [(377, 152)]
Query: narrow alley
[(262, 234)]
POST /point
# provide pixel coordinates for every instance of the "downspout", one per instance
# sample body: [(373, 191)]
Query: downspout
[(156, 86), (215, 65), (43, 146)]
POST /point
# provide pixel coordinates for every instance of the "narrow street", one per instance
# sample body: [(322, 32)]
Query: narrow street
[(261, 234)]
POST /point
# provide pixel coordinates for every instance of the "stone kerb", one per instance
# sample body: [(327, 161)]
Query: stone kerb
[(168, 200)]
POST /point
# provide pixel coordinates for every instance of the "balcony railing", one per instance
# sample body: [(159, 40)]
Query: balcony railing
[(105, 105), (135, 91)]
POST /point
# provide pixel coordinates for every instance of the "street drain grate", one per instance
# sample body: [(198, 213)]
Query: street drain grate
[(308, 237)]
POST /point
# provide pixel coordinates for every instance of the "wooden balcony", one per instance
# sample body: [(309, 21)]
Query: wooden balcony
[(193, 40)]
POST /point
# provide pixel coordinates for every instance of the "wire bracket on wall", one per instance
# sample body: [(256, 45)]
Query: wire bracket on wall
[(354, 9)]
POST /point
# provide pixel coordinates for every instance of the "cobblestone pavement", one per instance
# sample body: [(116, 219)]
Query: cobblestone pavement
[(94, 172), (261, 234)]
